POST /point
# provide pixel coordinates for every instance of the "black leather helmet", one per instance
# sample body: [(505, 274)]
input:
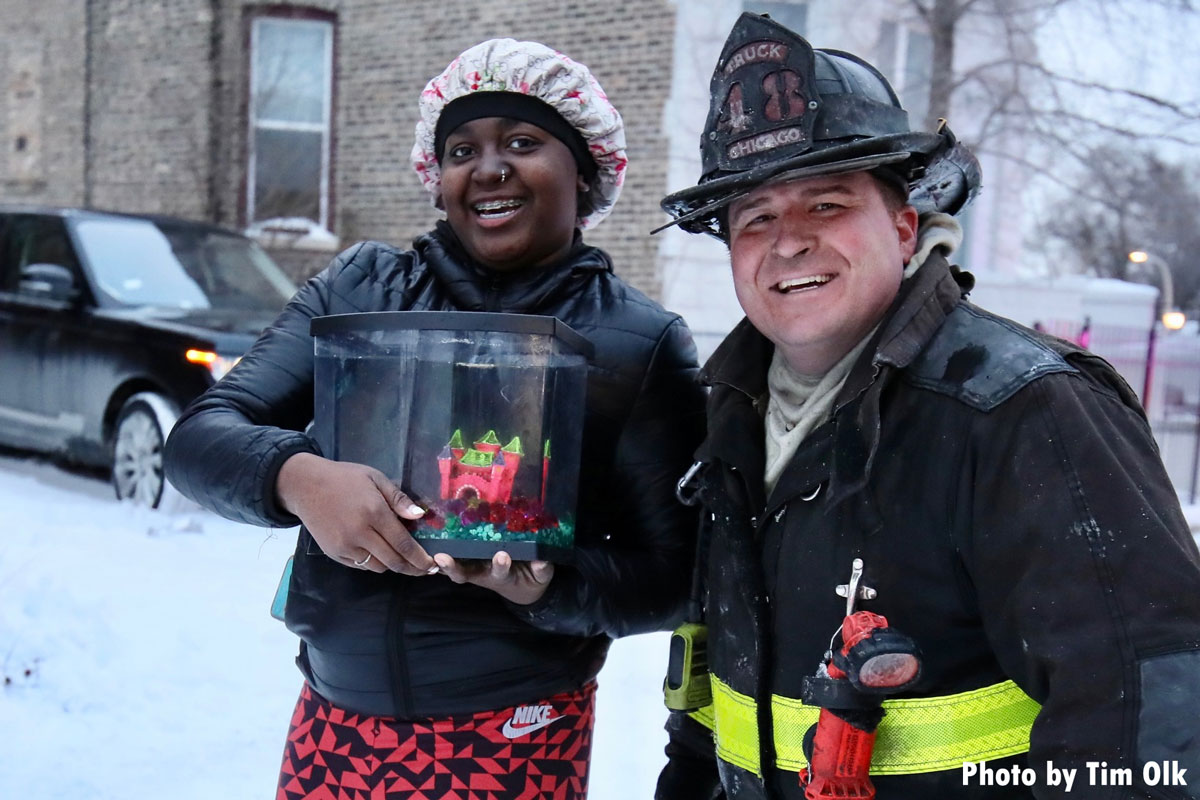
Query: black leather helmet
[(782, 110)]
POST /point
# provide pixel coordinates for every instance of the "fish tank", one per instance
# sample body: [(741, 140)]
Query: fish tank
[(477, 416)]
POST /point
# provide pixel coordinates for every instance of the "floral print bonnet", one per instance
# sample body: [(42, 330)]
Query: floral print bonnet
[(530, 68)]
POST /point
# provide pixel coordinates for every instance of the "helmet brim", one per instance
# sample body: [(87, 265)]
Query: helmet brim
[(938, 182), (737, 186)]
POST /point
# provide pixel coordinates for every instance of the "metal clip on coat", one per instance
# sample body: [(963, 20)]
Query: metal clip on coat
[(874, 661)]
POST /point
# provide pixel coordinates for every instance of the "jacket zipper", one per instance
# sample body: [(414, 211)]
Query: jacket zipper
[(397, 654), (493, 292)]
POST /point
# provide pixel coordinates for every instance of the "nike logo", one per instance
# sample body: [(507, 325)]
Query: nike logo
[(527, 719)]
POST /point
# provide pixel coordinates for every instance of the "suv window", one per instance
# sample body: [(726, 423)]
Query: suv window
[(134, 264), (34, 239), (160, 263)]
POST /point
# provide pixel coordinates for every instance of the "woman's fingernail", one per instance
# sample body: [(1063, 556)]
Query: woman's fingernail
[(416, 511), (433, 571)]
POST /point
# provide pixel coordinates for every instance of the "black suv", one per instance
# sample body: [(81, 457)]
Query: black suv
[(111, 323)]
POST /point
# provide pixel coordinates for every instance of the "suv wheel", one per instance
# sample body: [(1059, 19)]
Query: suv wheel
[(142, 428)]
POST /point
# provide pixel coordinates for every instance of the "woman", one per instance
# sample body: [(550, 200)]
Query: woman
[(454, 684)]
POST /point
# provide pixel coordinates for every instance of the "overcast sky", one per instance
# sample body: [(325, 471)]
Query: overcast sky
[(1136, 45)]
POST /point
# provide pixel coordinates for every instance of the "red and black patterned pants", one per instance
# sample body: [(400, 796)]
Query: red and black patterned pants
[(537, 751)]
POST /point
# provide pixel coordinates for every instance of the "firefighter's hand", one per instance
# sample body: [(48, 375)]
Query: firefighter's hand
[(523, 582), (354, 512)]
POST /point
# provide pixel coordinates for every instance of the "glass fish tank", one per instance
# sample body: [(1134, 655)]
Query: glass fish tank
[(477, 416)]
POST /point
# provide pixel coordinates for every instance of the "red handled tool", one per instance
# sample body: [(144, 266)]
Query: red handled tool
[(873, 662)]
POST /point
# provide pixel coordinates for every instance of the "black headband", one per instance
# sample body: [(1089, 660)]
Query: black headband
[(513, 105)]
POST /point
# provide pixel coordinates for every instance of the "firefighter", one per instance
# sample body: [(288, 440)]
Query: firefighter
[(877, 443)]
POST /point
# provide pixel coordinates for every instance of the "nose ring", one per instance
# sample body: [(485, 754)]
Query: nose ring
[(503, 174)]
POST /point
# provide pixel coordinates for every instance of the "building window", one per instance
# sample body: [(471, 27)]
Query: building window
[(793, 16), (906, 58), (291, 83)]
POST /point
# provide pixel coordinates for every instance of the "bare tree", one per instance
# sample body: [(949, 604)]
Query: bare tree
[(1140, 202), (1026, 110)]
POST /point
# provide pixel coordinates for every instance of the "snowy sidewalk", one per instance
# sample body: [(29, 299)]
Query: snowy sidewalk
[(139, 660)]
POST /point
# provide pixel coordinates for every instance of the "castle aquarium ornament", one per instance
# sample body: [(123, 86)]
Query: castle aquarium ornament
[(478, 416)]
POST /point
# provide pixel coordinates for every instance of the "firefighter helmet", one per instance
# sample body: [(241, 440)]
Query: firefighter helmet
[(781, 110)]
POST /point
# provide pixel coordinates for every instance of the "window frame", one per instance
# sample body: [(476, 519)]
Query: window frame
[(306, 17)]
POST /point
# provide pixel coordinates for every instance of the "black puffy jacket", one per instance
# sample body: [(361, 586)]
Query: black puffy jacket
[(413, 647), (1014, 517)]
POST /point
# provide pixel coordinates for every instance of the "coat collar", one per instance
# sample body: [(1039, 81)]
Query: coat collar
[(919, 311), (922, 306), (476, 288), (740, 362)]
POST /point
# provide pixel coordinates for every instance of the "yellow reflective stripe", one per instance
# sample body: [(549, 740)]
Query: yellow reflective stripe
[(792, 719), (927, 734), (736, 726), (924, 734)]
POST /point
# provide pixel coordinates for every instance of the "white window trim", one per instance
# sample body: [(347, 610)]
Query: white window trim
[(899, 66), (752, 7), (324, 127)]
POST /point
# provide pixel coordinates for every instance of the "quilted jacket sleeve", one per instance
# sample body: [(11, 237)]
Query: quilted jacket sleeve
[(228, 445), (633, 577), (1088, 582)]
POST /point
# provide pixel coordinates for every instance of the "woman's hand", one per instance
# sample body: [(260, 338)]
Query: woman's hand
[(522, 583), (354, 512)]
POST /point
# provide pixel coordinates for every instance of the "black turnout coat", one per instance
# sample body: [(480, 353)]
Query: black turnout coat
[(423, 646), (1013, 514)]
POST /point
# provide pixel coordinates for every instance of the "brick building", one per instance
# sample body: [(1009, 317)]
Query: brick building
[(236, 111), (295, 120)]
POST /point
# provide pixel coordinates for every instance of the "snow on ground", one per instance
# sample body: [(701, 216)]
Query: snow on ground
[(138, 658)]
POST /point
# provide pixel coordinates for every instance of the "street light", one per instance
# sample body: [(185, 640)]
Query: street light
[(1172, 318)]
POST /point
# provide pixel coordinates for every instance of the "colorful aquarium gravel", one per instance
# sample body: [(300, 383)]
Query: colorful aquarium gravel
[(520, 520)]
